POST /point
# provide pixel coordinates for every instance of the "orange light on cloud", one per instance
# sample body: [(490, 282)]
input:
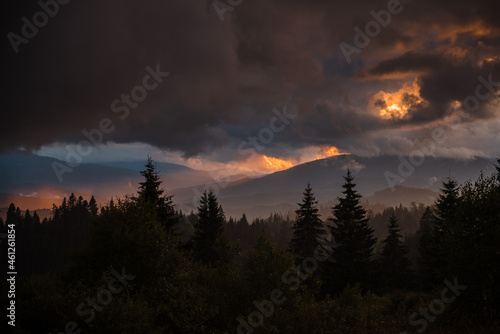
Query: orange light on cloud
[(398, 104), (454, 105), (490, 60), (477, 28), (394, 111), (332, 151), (277, 164)]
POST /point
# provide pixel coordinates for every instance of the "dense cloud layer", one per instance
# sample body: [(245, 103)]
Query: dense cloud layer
[(225, 77)]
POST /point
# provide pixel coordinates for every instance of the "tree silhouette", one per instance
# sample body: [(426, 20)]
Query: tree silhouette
[(150, 193), (395, 264), (207, 229), (427, 250), (446, 216), (308, 228), (354, 240), (13, 215), (93, 207), (474, 244), (149, 189), (446, 209)]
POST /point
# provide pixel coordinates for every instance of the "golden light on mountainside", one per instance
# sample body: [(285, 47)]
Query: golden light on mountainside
[(258, 165), (312, 153), (276, 164), (397, 105), (264, 164)]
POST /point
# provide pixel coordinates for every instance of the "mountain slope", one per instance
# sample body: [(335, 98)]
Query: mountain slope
[(29, 175), (284, 189), (23, 174)]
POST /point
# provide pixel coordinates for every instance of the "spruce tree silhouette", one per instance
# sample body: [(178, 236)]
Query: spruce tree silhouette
[(394, 263), (308, 228), (150, 193), (354, 241), (207, 229), (445, 221), (427, 248)]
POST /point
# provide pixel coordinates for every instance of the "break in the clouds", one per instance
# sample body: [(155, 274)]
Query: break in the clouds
[(225, 77)]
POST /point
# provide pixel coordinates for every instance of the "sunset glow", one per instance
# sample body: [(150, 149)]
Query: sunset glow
[(277, 164), (264, 164), (397, 105), (184, 166), (332, 151), (489, 60)]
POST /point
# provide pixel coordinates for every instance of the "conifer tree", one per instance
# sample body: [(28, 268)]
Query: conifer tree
[(427, 250), (308, 229), (207, 229), (354, 240), (445, 222), (27, 218), (63, 209), (149, 189), (36, 219), (395, 264), (151, 193), (93, 207), (446, 209), (13, 217), (474, 244), (71, 202), (243, 221)]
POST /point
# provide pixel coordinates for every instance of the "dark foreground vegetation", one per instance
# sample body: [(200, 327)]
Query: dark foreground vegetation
[(136, 265)]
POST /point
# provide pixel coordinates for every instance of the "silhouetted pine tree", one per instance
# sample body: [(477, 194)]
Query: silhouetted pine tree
[(446, 209), (394, 263), (93, 207), (445, 221), (243, 221), (149, 189), (308, 228), (63, 209), (36, 219), (474, 245), (207, 229), (71, 201), (427, 251), (13, 215), (28, 219), (150, 193), (354, 241)]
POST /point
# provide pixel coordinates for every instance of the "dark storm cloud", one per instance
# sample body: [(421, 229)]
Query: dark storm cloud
[(66, 78), (409, 62), (442, 81), (231, 74)]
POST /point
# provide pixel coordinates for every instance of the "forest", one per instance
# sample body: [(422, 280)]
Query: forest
[(138, 265)]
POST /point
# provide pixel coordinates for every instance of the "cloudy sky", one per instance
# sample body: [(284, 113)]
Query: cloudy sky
[(257, 85)]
